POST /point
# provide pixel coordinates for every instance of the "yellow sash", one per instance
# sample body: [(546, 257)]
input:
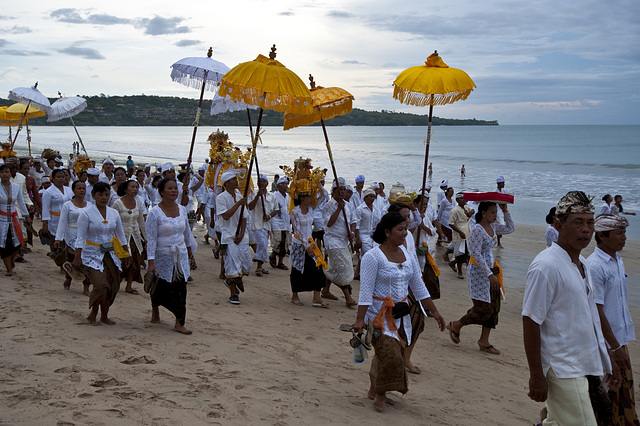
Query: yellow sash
[(499, 276), (117, 247), (54, 213), (432, 262)]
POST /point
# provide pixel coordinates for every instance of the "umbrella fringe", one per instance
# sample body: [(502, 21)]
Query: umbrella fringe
[(191, 81), (324, 112), (67, 114), (23, 100), (272, 101), (420, 99)]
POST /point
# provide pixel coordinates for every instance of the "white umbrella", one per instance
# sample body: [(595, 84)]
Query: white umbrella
[(67, 108), (221, 105), (31, 97), (200, 73)]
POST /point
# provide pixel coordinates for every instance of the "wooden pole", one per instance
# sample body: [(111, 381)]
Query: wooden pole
[(254, 143), (426, 154)]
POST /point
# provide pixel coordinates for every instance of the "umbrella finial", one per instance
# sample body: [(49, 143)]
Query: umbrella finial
[(210, 52), (311, 82), (35, 86), (435, 52), (272, 54), (59, 94)]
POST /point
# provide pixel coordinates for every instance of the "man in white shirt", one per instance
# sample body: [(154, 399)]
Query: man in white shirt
[(610, 283), (93, 175), (107, 171), (442, 193), (337, 239), (318, 222), (262, 209), (280, 225), (561, 327), (358, 197), (231, 211)]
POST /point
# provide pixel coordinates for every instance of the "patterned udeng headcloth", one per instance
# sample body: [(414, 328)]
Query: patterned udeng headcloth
[(575, 202), (609, 222)]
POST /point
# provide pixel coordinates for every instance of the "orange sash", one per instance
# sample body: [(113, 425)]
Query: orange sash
[(16, 224), (378, 321)]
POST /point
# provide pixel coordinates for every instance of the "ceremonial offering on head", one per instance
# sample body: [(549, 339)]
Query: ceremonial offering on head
[(49, 154), (6, 150), (224, 156), (492, 197), (83, 163), (303, 179)]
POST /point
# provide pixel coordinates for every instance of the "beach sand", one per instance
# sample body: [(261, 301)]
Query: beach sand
[(265, 361)]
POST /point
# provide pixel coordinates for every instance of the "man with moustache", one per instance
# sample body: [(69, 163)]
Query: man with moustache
[(562, 332)]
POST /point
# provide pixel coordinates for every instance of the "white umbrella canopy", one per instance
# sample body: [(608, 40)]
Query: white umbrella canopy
[(192, 71), (221, 105), (66, 108), (30, 96)]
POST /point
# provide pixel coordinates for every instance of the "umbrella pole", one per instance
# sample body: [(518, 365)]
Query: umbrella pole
[(195, 123), (335, 177), (20, 125), (78, 134), (254, 143), (426, 154), (255, 157), (28, 137)]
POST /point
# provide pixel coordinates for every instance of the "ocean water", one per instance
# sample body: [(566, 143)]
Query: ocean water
[(539, 163)]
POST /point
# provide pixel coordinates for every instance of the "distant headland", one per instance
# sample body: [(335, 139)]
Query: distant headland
[(144, 110)]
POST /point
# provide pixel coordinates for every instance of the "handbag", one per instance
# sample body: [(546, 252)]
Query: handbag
[(106, 247), (400, 310), (150, 282)]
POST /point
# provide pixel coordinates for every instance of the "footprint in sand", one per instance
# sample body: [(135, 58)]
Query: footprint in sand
[(138, 360), (107, 382)]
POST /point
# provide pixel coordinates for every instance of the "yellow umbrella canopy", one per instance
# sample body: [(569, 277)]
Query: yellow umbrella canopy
[(268, 84), (327, 102), (434, 83), (17, 111), (5, 120)]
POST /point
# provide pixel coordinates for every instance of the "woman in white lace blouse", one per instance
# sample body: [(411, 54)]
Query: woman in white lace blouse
[(52, 201), (67, 231), (484, 274), (131, 212), (168, 250), (386, 274), (10, 232), (99, 250), (305, 275)]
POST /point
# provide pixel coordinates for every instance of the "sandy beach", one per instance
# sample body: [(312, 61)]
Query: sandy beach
[(265, 361)]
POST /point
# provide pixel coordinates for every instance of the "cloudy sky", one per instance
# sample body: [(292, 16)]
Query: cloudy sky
[(538, 62)]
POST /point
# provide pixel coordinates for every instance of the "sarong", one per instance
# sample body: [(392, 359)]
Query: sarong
[(388, 372), (135, 262), (106, 284), (311, 278), (172, 296), (417, 318), (280, 241), (8, 248), (340, 270), (237, 259), (483, 313), (622, 400), (261, 237)]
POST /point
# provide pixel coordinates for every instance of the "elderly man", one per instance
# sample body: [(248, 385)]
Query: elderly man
[(562, 332), (280, 225), (262, 211), (234, 248), (610, 283), (337, 238), (107, 171)]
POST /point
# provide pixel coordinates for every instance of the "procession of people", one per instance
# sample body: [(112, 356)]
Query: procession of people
[(106, 225)]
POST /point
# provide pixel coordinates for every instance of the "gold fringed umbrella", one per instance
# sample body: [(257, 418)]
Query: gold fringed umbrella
[(20, 114), (268, 84), (433, 83), (328, 102)]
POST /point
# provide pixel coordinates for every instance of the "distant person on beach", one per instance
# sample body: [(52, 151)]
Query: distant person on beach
[(388, 272), (562, 332), (99, 251), (274, 184), (605, 208), (484, 275), (169, 247), (129, 165), (11, 202), (430, 170), (444, 210), (551, 235), (463, 172), (500, 182), (611, 296), (617, 205)]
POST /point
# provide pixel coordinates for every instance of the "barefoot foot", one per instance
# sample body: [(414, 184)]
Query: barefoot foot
[(107, 321), (181, 329)]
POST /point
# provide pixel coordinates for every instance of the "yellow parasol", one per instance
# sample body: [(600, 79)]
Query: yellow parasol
[(327, 103), (268, 84), (433, 83), (19, 114)]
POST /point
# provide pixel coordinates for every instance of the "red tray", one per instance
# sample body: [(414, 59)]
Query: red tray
[(494, 197)]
